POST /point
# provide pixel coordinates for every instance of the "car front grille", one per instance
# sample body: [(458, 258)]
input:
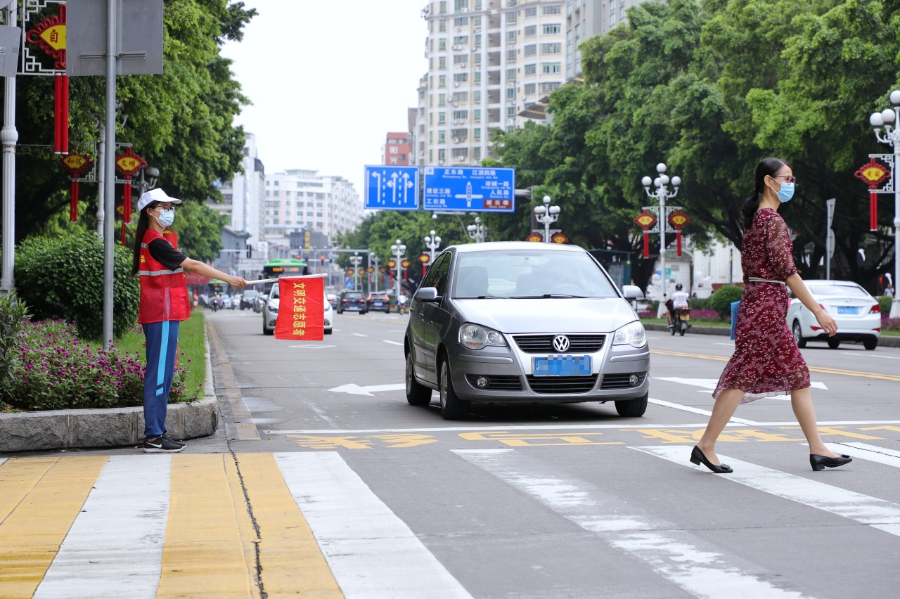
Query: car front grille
[(543, 344), (621, 381), (561, 384), (505, 382)]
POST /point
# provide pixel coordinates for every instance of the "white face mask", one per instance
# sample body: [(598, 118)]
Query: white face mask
[(166, 218)]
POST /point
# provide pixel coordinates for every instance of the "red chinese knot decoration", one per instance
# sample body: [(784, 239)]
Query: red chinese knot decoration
[(559, 238), (872, 174), (678, 219), (50, 36), (646, 221), (76, 165)]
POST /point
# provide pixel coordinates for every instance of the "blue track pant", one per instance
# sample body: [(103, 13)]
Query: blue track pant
[(162, 343)]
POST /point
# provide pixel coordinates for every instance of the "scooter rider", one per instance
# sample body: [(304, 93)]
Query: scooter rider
[(679, 302)]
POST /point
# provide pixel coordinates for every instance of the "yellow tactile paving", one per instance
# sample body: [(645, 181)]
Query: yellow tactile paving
[(209, 544), (50, 492), (292, 563)]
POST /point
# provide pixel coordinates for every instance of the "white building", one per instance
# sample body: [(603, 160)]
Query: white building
[(304, 199), (487, 61), (245, 196)]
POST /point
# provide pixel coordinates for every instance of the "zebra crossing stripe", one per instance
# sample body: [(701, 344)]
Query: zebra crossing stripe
[(878, 513), (871, 453), (2, 460), (32, 530), (114, 547), (680, 557), (209, 543), (372, 553)]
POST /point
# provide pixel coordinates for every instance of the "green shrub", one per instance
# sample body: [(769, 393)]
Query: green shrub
[(701, 303), (721, 300), (884, 303), (62, 277), (13, 316)]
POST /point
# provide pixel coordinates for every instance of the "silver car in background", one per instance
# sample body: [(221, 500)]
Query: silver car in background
[(524, 322)]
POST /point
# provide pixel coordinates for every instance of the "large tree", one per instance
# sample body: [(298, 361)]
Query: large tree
[(181, 122)]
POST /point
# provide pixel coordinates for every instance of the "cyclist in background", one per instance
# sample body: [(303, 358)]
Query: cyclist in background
[(679, 302)]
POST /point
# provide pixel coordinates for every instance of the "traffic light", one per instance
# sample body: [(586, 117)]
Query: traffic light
[(297, 256)]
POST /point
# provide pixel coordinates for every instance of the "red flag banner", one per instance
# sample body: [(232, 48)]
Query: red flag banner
[(301, 310)]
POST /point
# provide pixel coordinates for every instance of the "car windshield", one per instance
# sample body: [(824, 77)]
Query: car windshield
[(250, 293), (354, 295), (848, 290), (524, 274)]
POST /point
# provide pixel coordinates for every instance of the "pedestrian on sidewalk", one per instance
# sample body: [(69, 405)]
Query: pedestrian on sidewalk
[(766, 360), (164, 304)]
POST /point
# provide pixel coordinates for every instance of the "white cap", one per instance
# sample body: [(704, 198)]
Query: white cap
[(155, 195)]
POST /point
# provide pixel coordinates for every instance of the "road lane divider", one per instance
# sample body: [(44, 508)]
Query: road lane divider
[(821, 369), (864, 509), (52, 494), (393, 342)]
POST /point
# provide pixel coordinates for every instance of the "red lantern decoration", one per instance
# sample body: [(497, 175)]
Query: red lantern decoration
[(872, 174), (75, 165), (646, 220), (559, 238), (129, 164), (535, 238), (425, 259), (405, 264), (50, 36), (678, 219)]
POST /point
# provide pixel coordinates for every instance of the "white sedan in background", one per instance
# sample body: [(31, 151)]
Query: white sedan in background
[(857, 314), (270, 312)]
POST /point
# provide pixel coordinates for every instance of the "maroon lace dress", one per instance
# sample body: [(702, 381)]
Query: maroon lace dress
[(766, 360)]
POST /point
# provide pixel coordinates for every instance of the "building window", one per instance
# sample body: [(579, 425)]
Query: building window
[(442, 118), (462, 59), (612, 14), (460, 77), (531, 31), (460, 115), (442, 7), (552, 10), (476, 154), (512, 17), (442, 154), (459, 5), (510, 93), (531, 12), (460, 153), (477, 115), (511, 111), (477, 40), (531, 50), (441, 99), (442, 81), (477, 133), (530, 69), (442, 26), (477, 76), (478, 58), (512, 2), (551, 67), (551, 48), (442, 63), (476, 95), (530, 88), (511, 55), (461, 22), (477, 4), (461, 96), (546, 88), (552, 28), (510, 74), (511, 37), (442, 44)]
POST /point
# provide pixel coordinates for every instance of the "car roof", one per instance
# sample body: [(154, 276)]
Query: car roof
[(829, 282), (515, 245)]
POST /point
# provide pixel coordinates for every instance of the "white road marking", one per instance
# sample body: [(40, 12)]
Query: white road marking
[(878, 513), (311, 346), (695, 565), (2, 460), (114, 548), (359, 335), (730, 344), (354, 389), (872, 453), (393, 342), (868, 355), (678, 406), (371, 552)]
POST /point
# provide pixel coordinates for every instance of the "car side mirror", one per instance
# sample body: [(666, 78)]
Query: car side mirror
[(427, 294), (632, 292)]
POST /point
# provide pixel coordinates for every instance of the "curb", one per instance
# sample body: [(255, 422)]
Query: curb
[(883, 341), (114, 427)]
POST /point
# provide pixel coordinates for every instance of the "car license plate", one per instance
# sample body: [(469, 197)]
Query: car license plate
[(562, 366), (378, 304), (848, 310)]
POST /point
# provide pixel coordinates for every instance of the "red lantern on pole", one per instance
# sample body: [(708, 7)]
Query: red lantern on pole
[(405, 264), (75, 165), (129, 164), (646, 220), (678, 219), (872, 174), (50, 36)]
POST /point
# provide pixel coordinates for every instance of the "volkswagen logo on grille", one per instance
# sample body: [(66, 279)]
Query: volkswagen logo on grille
[(561, 343)]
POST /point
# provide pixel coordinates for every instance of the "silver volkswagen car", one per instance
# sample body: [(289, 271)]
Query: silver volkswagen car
[(524, 322)]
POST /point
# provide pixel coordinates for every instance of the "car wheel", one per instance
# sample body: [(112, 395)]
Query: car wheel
[(452, 407), (388, 311), (416, 394), (267, 331), (327, 331), (798, 334), (870, 343), (683, 329), (633, 407), (834, 343)]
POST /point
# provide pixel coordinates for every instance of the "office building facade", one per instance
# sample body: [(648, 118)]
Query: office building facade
[(301, 199)]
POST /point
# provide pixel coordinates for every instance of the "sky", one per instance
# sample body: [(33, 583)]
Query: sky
[(328, 79)]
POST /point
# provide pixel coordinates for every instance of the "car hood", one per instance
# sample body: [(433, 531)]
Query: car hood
[(551, 315)]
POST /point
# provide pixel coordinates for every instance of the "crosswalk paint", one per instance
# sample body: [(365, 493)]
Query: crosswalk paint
[(372, 552), (680, 557), (872, 453), (878, 513), (2, 460), (114, 548)]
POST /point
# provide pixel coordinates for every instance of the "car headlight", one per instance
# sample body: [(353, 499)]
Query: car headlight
[(273, 307), (632, 334), (475, 336)]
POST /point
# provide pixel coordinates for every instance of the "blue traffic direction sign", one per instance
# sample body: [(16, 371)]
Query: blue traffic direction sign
[(392, 187), (470, 189)]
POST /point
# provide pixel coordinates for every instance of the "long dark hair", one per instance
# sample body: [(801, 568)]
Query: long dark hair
[(142, 226), (766, 167)]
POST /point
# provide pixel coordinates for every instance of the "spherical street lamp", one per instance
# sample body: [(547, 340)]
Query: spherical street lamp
[(356, 260), (373, 257), (398, 250), (432, 242), (478, 231), (546, 215), (886, 132), (662, 194)]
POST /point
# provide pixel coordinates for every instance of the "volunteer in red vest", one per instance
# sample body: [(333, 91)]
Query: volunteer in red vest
[(164, 304)]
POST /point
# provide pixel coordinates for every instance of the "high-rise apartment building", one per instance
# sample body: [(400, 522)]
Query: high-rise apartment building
[(487, 60), (245, 195), (587, 18), (304, 199)]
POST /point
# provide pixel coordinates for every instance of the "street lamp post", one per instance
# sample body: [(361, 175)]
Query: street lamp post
[(356, 260), (398, 250), (662, 194), (478, 231), (546, 215), (432, 242), (890, 120), (373, 257)]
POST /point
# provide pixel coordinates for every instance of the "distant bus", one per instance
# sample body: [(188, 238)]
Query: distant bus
[(285, 267)]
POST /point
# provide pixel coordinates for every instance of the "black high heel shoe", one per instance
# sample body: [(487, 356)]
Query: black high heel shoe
[(820, 462), (697, 457)]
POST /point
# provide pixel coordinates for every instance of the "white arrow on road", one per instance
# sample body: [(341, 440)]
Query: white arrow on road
[(354, 389)]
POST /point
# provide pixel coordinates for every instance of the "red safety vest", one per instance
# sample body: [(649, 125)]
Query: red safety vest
[(164, 294)]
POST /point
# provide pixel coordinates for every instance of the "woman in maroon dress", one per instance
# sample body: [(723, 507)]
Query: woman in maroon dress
[(766, 360)]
